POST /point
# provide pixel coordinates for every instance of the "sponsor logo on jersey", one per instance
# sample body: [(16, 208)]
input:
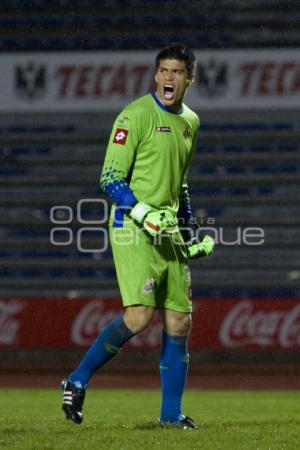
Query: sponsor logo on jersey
[(186, 133), (120, 136), (163, 129)]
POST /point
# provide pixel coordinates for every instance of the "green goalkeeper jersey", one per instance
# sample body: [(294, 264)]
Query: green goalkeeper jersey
[(148, 155)]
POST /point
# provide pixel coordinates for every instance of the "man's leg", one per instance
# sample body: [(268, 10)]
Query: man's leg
[(174, 361), (107, 345)]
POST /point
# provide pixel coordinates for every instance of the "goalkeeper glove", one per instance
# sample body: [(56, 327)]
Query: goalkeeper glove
[(155, 222), (199, 248)]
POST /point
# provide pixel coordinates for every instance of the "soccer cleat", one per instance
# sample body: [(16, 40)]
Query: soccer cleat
[(184, 424), (73, 398)]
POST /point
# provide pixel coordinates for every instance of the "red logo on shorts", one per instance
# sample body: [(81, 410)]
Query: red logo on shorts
[(120, 136)]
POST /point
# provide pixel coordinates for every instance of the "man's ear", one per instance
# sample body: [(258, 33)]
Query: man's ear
[(155, 77), (189, 82)]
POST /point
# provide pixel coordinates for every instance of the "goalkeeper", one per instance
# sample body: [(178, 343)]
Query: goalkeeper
[(145, 174)]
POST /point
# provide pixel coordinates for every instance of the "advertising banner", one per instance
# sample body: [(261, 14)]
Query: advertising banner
[(95, 81), (217, 323)]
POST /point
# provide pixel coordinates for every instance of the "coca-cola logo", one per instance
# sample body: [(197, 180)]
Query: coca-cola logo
[(9, 324), (91, 319), (244, 326), (96, 315)]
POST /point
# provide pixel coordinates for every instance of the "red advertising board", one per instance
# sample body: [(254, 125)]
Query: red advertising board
[(218, 323), (95, 81)]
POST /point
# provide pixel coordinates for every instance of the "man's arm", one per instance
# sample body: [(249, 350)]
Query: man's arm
[(185, 211), (197, 246), (123, 142)]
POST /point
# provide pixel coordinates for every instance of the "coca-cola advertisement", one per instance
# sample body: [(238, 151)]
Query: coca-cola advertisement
[(10, 321), (64, 323), (218, 323), (247, 324)]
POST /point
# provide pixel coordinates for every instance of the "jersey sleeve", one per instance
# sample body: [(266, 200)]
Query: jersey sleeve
[(185, 212), (119, 158)]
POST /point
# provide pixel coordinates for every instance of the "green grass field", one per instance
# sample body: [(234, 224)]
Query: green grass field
[(127, 420)]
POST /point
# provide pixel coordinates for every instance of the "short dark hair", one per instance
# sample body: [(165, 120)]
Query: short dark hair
[(180, 52)]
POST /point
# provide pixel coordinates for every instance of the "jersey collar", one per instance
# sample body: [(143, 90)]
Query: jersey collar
[(163, 107)]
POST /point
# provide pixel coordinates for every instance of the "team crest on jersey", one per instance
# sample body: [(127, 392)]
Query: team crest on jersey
[(149, 286), (163, 129), (186, 133), (124, 122), (120, 136)]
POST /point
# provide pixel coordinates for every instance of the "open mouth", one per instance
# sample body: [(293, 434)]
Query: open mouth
[(168, 92)]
